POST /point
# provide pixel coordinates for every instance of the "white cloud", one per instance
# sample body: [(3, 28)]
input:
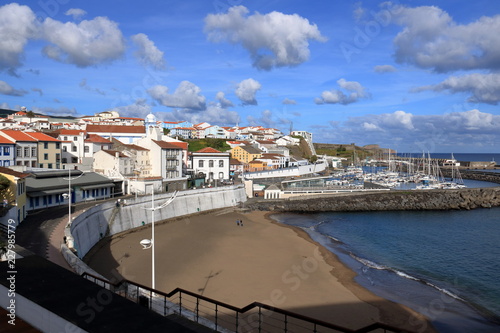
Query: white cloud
[(7, 89), (355, 92), (147, 52), (432, 39), (83, 84), (76, 13), (407, 132), (384, 69), (213, 114), (88, 43), (38, 90), (246, 91), (484, 88), (224, 102), (186, 96), (273, 40), (17, 26), (140, 109), (289, 101)]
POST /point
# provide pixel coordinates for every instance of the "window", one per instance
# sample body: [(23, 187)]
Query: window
[(45, 156), (65, 138), (26, 152), (50, 165), (74, 160), (221, 163), (64, 160), (33, 151), (65, 149), (45, 145), (75, 138), (211, 163), (86, 149), (200, 163), (58, 145), (58, 157), (73, 148), (6, 151)]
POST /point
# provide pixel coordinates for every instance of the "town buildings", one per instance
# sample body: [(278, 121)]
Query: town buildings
[(108, 155)]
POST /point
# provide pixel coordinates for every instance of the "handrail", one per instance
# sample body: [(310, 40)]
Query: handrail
[(253, 305)]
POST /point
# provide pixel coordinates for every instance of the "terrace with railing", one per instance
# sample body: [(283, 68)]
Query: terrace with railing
[(223, 317)]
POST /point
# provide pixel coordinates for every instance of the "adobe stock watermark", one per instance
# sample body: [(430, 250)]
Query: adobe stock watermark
[(91, 307), (11, 272), (434, 309), (50, 8), (365, 33), (292, 280), (221, 6)]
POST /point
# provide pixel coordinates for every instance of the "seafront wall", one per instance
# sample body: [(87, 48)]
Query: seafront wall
[(492, 177), (380, 201), (109, 218)]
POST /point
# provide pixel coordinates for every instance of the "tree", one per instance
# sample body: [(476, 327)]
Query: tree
[(313, 159), (31, 115), (4, 184)]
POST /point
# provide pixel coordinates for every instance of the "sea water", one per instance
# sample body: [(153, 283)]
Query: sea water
[(443, 264)]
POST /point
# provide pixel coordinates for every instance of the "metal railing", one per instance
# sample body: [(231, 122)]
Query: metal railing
[(223, 317)]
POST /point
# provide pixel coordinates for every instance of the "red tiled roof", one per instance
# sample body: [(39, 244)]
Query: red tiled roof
[(208, 150), (96, 139), (115, 129), (42, 136), (183, 145), (70, 132), (113, 153), (11, 172), (166, 145), (18, 135), (5, 140), (135, 147)]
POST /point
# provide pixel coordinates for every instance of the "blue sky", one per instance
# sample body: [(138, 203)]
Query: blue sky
[(409, 75)]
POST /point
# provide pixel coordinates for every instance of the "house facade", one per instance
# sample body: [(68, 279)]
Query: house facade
[(14, 197), (26, 153), (212, 163), (7, 150)]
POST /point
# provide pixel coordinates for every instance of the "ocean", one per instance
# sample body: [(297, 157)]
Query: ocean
[(443, 264)]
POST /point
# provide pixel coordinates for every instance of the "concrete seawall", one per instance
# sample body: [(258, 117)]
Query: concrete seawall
[(107, 219), (392, 200)]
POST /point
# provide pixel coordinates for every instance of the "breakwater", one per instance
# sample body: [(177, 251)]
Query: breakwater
[(385, 201), (492, 177)]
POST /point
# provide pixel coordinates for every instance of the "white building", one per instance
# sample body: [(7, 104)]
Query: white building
[(113, 164), (211, 162)]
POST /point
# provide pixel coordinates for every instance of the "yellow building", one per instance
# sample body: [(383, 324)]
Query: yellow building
[(49, 150), (245, 154), (13, 205)]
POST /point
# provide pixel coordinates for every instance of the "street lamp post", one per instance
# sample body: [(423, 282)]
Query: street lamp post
[(150, 243), (68, 195)]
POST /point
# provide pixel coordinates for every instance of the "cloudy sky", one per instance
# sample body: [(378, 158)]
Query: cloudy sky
[(410, 75)]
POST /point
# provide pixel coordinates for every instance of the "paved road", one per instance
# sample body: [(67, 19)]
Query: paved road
[(36, 231)]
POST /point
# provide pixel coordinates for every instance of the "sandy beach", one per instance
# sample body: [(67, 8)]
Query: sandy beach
[(260, 261)]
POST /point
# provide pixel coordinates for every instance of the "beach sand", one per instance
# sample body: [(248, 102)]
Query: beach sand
[(261, 261)]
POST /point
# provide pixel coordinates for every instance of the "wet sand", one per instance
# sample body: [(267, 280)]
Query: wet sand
[(259, 261)]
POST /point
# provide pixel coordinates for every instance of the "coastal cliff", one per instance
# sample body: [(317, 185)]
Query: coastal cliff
[(391, 200)]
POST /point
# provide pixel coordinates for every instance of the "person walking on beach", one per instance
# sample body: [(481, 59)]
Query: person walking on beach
[(238, 222), (241, 223)]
